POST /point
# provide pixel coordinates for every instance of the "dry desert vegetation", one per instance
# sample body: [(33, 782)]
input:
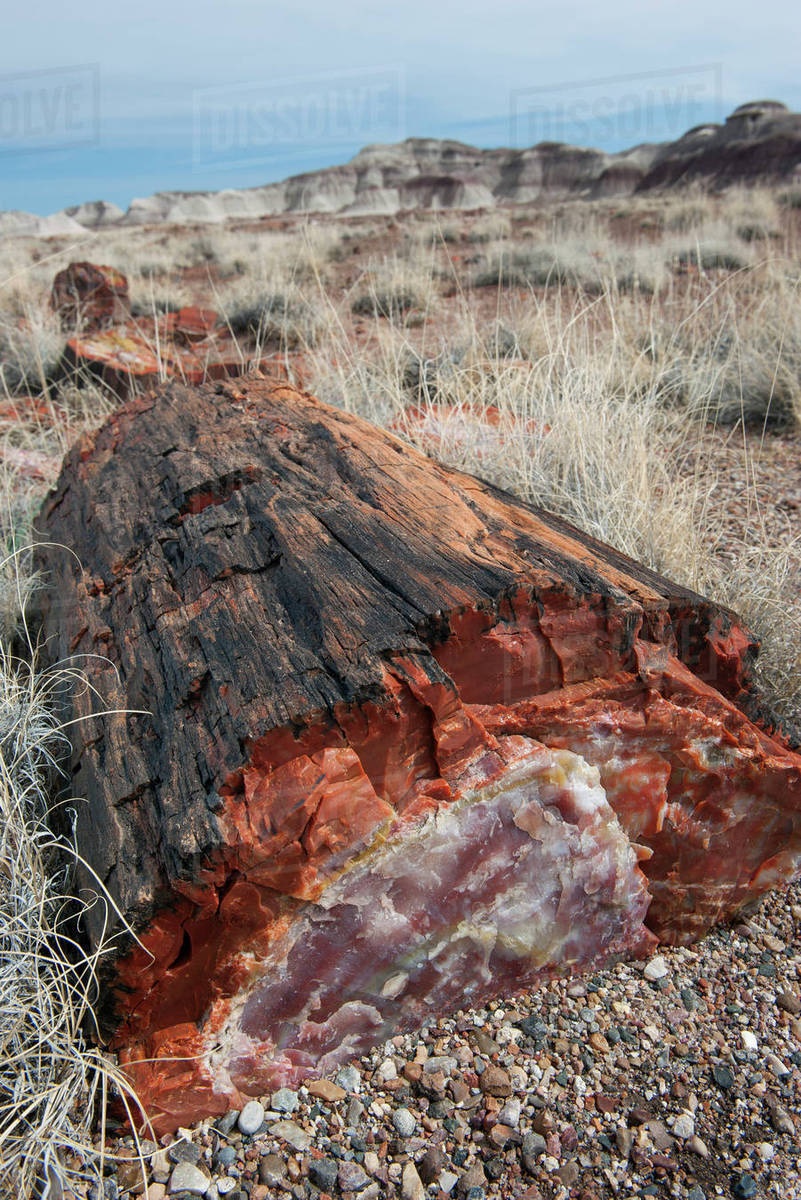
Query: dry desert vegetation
[(634, 366)]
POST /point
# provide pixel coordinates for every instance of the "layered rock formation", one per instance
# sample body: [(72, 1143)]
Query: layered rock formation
[(383, 741), (759, 143)]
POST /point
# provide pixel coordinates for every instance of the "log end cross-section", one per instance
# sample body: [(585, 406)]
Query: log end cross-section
[(382, 741)]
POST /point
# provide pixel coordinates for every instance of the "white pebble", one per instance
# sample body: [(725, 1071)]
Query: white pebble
[(655, 969), (776, 1065), (749, 1039), (447, 1182), (404, 1122), (387, 1071), (251, 1117), (510, 1113), (684, 1126), (188, 1178), (765, 1151)]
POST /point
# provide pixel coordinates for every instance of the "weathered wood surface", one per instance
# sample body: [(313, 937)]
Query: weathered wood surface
[(333, 640)]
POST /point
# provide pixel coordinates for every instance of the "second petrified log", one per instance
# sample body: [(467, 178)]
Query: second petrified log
[(396, 742)]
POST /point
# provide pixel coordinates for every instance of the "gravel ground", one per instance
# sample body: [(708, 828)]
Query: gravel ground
[(680, 1077)]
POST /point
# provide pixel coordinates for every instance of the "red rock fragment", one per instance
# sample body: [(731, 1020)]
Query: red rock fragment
[(193, 324), (89, 297)]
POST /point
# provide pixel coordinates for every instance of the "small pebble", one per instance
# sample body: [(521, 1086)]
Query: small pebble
[(188, 1178), (510, 1113), (789, 1001), (323, 1172), (404, 1122), (349, 1079), (744, 1187), (723, 1076), (655, 968), (288, 1131), (272, 1170), (411, 1183), (352, 1177), (251, 1117), (325, 1089), (684, 1126), (283, 1101)]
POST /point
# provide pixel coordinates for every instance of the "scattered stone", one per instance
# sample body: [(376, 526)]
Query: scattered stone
[(186, 1177), (325, 1089), (744, 1187), (183, 1151), (352, 1176), (495, 1081), (288, 1131), (474, 1177), (510, 1113), (431, 1165), (723, 1077), (404, 1122), (227, 1122), (789, 1001), (775, 1064), (697, 1146), (534, 1145), (129, 1177), (387, 1071), (411, 1184), (284, 1101), (500, 1135), (272, 1170), (780, 1118), (568, 1173), (349, 1079), (656, 968), (684, 1126), (251, 1117)]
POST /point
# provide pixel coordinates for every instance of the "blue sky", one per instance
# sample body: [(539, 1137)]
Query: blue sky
[(117, 101)]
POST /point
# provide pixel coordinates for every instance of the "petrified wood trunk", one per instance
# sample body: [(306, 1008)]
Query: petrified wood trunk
[(397, 742)]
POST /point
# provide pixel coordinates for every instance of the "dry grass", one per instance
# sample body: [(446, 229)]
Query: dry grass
[(583, 388), (54, 1084)]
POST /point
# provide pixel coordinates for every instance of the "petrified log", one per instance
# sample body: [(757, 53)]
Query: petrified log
[(397, 742), (90, 297)]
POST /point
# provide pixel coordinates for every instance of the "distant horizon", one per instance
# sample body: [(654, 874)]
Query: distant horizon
[(112, 103), (127, 164)]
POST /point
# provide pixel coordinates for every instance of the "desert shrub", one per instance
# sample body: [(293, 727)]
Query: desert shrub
[(278, 320), (791, 198), (385, 302), (709, 257), (30, 350)]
